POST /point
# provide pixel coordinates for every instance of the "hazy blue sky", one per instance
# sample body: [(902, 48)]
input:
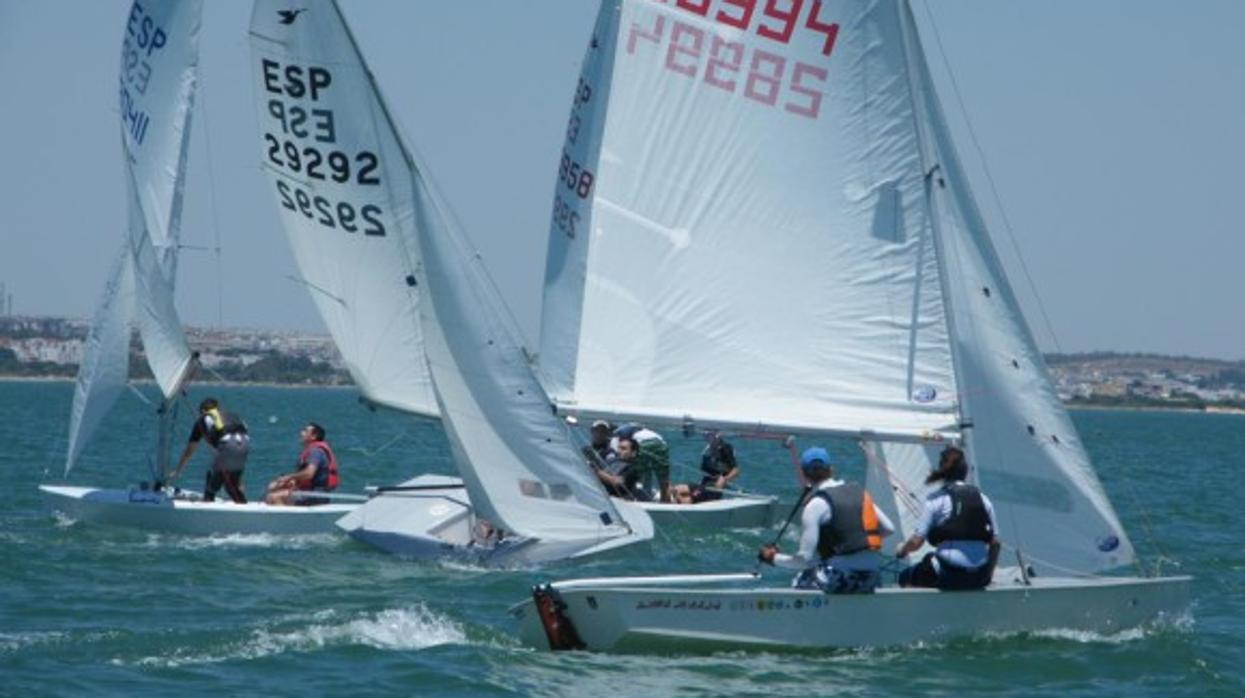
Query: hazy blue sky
[(1114, 130)]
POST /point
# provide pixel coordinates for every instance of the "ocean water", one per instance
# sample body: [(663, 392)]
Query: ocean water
[(104, 611)]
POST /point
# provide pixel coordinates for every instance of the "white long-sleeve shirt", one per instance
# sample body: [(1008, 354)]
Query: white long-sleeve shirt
[(968, 554), (817, 513)]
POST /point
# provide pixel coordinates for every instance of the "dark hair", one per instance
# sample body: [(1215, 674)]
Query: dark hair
[(952, 465), (635, 446), (316, 430), (208, 404)]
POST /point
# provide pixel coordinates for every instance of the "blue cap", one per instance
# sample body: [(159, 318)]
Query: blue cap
[(815, 457)]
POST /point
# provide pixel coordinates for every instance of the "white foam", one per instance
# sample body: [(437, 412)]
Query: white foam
[(410, 628), (1090, 637), (244, 540), (11, 642)]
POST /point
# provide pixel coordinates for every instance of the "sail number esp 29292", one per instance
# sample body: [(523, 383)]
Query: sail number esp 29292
[(318, 178)]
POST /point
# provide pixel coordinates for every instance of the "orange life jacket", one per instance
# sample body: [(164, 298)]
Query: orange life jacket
[(330, 481)]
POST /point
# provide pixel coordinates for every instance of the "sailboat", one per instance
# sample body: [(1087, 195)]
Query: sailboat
[(768, 227), (416, 315), (159, 69)]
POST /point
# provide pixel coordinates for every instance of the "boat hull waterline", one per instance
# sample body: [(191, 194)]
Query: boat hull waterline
[(158, 512), (649, 616)]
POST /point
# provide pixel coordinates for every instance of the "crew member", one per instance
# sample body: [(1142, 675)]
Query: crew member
[(226, 433), (959, 522), (842, 534), (652, 463), (316, 471), (718, 468), (621, 477)]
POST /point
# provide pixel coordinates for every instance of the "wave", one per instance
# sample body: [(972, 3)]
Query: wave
[(283, 541), (411, 628), (11, 642), (14, 642)]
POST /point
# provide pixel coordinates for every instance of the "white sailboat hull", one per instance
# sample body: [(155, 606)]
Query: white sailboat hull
[(159, 512), (732, 511), (430, 517), (654, 614)]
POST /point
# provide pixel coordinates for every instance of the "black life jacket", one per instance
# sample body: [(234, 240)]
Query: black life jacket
[(223, 423), (853, 525), (969, 519), (716, 462)]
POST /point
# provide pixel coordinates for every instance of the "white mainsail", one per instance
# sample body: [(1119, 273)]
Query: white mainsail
[(1028, 455), (159, 61), (740, 232), (521, 470), (343, 180)]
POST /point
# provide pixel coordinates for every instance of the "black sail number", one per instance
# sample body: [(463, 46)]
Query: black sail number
[(314, 163), (345, 215)]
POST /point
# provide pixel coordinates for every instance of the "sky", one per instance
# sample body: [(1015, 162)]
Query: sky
[(1112, 131)]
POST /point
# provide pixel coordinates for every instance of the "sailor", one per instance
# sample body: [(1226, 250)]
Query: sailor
[(315, 471), (959, 522), (652, 463), (600, 452), (226, 433), (621, 477), (842, 534), (718, 468)]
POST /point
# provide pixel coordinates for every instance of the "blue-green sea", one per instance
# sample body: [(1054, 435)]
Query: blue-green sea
[(101, 611)]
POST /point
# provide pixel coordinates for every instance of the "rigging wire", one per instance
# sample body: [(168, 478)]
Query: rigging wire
[(994, 191)]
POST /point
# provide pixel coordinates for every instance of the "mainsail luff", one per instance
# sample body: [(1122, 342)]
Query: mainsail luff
[(699, 268), (1028, 455)]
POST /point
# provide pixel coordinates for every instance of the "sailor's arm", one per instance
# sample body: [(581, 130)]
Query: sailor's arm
[(917, 539), (885, 527), (810, 525), (608, 478), (914, 542), (185, 457), (303, 474)]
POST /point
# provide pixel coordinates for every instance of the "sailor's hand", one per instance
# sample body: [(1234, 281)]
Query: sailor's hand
[(767, 554), (720, 483), (901, 550)]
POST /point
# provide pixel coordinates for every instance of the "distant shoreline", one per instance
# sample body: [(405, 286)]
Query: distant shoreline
[(224, 384), (1080, 406)]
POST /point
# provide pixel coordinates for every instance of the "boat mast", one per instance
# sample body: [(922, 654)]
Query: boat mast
[(934, 177), (168, 420)]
